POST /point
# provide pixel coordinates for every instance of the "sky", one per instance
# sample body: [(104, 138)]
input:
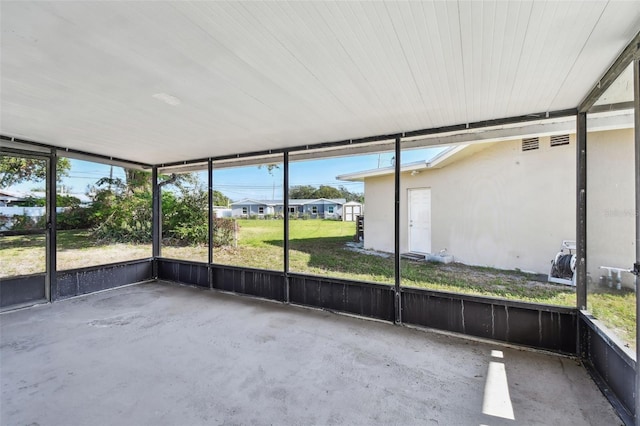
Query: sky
[(250, 181)]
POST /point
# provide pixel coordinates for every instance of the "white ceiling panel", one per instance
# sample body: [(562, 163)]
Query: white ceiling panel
[(160, 82)]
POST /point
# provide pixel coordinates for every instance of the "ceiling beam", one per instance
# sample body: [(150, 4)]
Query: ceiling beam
[(379, 138), (620, 106), (628, 55), (72, 153)]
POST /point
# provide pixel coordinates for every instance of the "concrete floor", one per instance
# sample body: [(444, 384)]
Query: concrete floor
[(163, 354)]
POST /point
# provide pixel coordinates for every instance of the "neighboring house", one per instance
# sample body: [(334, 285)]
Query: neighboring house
[(6, 198), (508, 203), (249, 207), (320, 208)]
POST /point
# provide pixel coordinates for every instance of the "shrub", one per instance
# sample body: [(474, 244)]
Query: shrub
[(224, 231), (5, 221), (122, 218), (185, 216), (191, 234), (123, 213), (74, 218), (30, 201), (25, 222), (67, 201)]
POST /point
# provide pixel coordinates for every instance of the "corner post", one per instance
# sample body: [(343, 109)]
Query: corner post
[(636, 266), (155, 222), (285, 245), (396, 258), (210, 225), (581, 211), (51, 287)]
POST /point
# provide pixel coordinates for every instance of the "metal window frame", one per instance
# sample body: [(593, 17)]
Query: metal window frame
[(636, 266), (50, 160)]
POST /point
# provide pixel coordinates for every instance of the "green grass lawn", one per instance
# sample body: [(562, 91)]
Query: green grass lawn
[(318, 247), (617, 311), (25, 254)]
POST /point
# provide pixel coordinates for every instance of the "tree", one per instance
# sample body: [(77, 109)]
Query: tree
[(324, 191), (138, 180), (270, 167), (302, 191), (351, 196), (121, 211), (219, 199), (15, 170)]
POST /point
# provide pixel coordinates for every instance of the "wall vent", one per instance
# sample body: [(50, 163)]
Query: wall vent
[(559, 140), (530, 144)]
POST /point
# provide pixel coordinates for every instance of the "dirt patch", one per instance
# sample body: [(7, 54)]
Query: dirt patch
[(480, 275)]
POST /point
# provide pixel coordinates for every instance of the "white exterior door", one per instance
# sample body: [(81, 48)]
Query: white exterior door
[(420, 220)]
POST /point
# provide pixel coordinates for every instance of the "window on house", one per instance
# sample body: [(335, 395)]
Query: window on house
[(314, 209), (260, 210), (292, 209), (330, 209), (245, 211)]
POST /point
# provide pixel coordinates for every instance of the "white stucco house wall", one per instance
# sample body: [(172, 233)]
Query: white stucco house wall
[(501, 205)]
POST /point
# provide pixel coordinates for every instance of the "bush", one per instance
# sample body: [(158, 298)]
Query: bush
[(124, 218), (185, 216), (123, 213), (191, 234), (74, 218), (224, 231), (5, 221), (67, 201), (25, 222), (31, 201)]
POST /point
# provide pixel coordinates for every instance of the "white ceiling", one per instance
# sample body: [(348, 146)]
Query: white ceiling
[(159, 82)]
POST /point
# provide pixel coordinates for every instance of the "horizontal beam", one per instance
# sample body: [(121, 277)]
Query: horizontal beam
[(545, 127), (389, 137), (620, 106), (12, 142), (324, 145), (630, 53)]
